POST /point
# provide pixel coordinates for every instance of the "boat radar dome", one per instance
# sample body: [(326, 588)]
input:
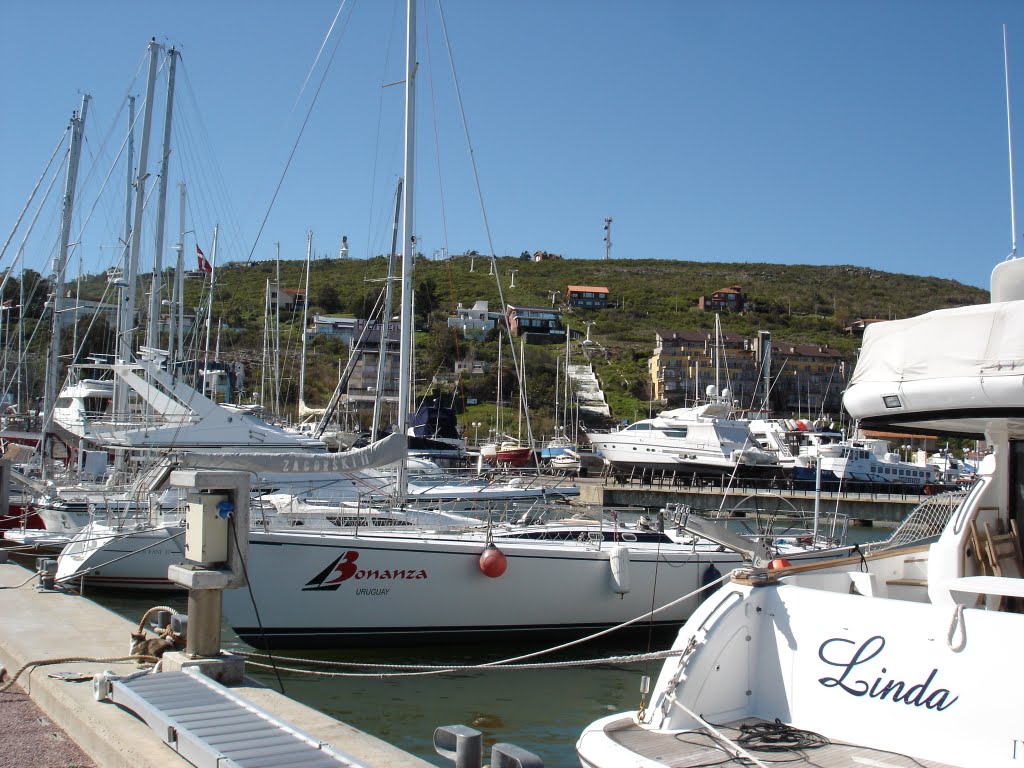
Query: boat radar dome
[(1008, 280), (711, 391)]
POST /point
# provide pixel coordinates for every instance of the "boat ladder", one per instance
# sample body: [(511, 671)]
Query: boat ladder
[(209, 726)]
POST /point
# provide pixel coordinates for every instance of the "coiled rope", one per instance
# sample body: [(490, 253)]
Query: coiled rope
[(779, 737)]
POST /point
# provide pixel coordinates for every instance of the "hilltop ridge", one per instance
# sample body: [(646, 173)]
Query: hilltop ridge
[(797, 303)]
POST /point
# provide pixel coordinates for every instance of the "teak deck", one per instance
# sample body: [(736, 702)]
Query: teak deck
[(692, 749)]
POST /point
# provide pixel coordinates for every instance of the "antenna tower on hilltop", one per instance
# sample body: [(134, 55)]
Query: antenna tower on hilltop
[(608, 238)]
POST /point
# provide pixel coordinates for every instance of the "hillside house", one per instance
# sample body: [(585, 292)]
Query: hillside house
[(337, 327), (286, 298), (476, 322), (586, 296), (540, 325), (724, 299)]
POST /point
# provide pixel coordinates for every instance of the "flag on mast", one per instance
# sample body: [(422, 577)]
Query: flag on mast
[(204, 265)]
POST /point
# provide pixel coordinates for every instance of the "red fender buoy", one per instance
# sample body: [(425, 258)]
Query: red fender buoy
[(778, 563), (493, 562)]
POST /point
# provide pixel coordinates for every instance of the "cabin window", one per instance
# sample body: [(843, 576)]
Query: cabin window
[(96, 404), (680, 433)]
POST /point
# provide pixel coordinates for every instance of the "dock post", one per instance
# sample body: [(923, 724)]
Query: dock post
[(216, 546)]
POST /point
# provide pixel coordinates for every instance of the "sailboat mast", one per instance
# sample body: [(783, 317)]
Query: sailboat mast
[(176, 316), (408, 239), (1009, 141), (209, 304), (305, 315), (276, 337), (153, 329), (126, 316), (59, 269), (129, 187), (385, 325)]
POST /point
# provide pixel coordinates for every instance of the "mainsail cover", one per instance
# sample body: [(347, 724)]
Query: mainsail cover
[(381, 453)]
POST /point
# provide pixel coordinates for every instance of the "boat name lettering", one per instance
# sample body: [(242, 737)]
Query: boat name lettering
[(344, 567), (311, 465), (373, 591), (399, 573), (917, 695)]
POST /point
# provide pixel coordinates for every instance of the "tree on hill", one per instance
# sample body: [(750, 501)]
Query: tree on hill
[(327, 298)]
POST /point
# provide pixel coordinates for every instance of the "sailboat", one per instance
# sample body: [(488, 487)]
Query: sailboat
[(505, 450), (560, 452), (537, 572)]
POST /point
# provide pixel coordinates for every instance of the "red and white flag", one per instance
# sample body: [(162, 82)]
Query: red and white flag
[(204, 265)]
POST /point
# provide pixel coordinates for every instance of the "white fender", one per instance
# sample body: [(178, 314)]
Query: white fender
[(618, 559)]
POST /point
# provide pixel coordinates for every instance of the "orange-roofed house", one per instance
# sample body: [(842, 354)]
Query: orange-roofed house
[(586, 296)]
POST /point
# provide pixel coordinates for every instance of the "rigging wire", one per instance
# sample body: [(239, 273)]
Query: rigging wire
[(28, 203), (487, 228), (298, 138)]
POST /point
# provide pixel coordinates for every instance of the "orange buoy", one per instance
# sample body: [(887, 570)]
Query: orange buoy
[(778, 563), (493, 561)]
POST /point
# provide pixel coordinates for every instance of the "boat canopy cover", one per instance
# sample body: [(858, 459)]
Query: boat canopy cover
[(387, 451), (949, 371)]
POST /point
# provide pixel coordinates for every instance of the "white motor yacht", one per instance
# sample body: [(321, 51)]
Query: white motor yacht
[(702, 441)]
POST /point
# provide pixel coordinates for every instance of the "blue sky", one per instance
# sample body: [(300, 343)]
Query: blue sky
[(868, 133)]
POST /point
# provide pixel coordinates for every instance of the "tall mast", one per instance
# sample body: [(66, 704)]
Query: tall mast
[(408, 240), (153, 329), (385, 326), (209, 304), (608, 238), (126, 315), (305, 316), (129, 184), (175, 313), (276, 338), (60, 267), (1009, 141)]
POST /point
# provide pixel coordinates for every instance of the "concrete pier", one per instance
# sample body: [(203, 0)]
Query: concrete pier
[(37, 626), (879, 507)]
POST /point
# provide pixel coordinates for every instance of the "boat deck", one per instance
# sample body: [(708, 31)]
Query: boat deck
[(699, 748)]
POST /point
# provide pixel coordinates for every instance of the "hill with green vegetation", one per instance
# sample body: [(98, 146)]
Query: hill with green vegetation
[(797, 303)]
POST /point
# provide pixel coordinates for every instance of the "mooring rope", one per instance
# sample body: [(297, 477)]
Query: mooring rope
[(419, 670), (70, 659)]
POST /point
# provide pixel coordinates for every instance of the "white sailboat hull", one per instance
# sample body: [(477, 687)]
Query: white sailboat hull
[(124, 559), (404, 588)]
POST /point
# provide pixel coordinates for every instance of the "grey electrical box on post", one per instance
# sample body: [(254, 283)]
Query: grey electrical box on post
[(216, 525), (206, 528)]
